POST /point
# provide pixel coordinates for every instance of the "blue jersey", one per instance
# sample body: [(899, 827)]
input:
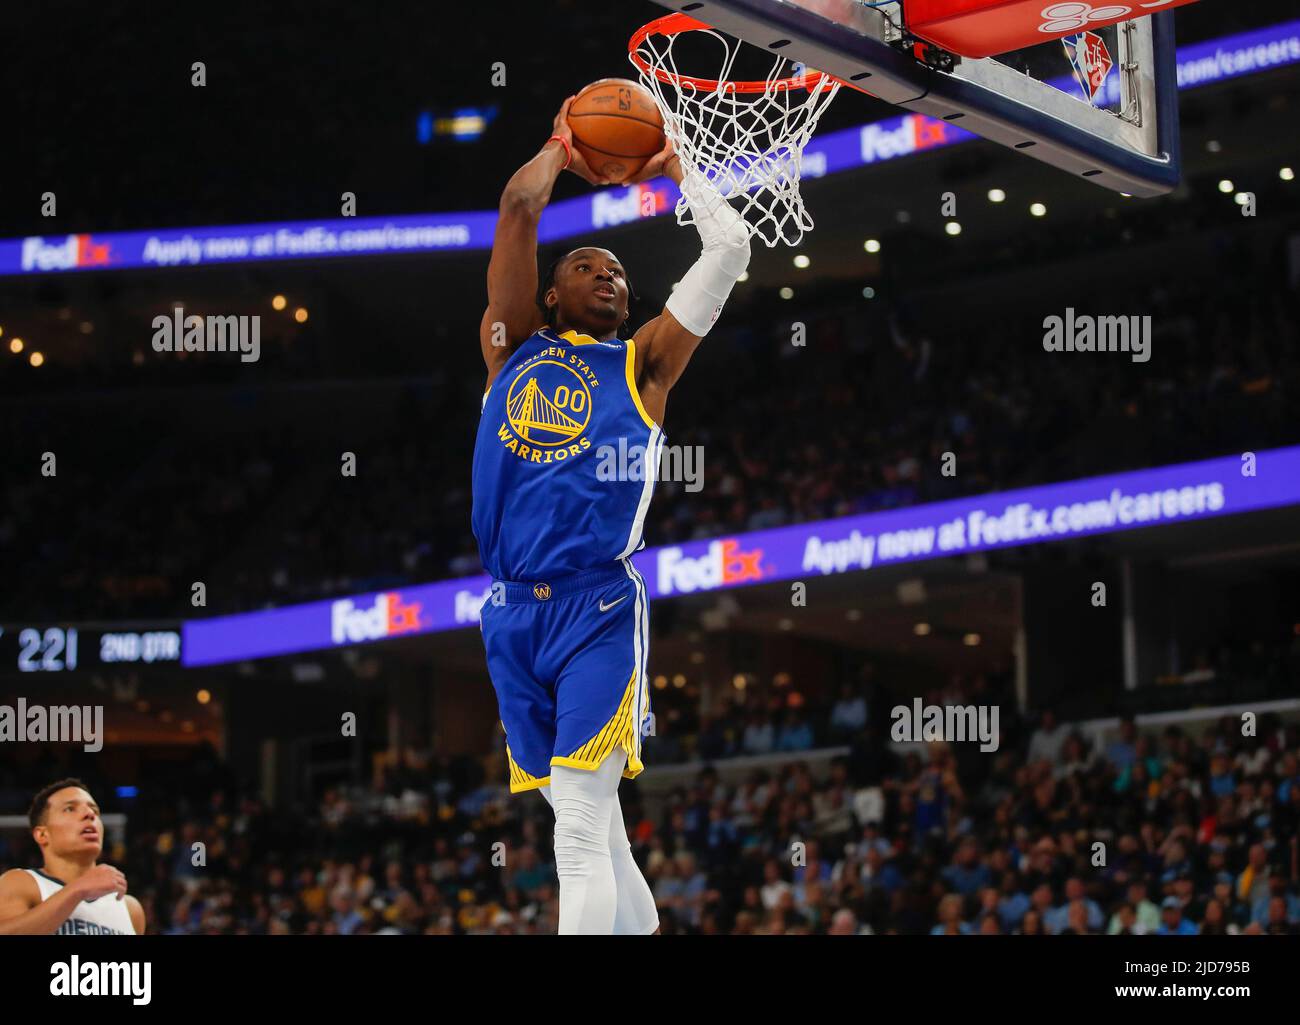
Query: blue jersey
[(565, 459)]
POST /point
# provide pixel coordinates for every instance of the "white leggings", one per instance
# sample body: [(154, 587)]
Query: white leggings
[(602, 892)]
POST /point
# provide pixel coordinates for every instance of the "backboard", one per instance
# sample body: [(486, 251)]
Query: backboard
[(1124, 138)]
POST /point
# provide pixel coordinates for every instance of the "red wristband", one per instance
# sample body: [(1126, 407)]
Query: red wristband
[(568, 153)]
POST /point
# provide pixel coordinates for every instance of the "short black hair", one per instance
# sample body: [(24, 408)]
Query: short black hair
[(41, 802), (548, 281)]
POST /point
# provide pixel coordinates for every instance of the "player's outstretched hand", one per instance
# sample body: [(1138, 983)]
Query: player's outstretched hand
[(100, 880), (665, 162), (577, 163)]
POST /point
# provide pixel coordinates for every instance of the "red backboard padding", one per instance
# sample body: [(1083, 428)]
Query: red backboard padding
[(984, 28)]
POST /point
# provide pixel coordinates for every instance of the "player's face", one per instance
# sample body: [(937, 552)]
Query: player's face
[(73, 824), (591, 290)]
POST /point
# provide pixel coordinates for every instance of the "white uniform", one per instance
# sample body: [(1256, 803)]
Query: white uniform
[(103, 916)]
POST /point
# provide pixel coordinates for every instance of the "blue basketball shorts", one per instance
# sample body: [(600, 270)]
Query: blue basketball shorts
[(567, 659)]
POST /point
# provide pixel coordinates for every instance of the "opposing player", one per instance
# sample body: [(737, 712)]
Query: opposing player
[(566, 626), (71, 893)]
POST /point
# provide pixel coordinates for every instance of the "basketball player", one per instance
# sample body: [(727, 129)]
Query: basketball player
[(566, 627), (70, 894)]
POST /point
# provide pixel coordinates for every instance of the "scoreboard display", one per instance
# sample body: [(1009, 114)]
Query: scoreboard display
[(62, 649)]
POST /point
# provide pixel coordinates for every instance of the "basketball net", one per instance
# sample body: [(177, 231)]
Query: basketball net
[(746, 139)]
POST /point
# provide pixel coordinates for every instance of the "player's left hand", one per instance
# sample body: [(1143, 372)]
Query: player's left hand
[(665, 162)]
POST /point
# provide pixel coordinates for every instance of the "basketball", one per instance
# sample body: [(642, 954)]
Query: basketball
[(616, 127)]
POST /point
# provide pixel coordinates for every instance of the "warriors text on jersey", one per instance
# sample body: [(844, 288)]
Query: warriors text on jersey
[(103, 916), (565, 460)]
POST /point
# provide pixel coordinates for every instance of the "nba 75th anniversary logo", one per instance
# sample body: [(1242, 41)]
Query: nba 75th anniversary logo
[(548, 407)]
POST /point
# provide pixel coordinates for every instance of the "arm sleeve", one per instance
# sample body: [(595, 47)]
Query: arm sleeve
[(698, 299)]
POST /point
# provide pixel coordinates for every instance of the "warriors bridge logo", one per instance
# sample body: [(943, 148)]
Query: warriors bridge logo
[(548, 407)]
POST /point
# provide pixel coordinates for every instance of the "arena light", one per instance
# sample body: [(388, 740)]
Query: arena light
[(921, 629), (744, 276), (1287, 174), (868, 293), (1038, 210), (1214, 146), (787, 292), (279, 302), (1241, 198), (1226, 186), (738, 681), (679, 680), (801, 261), (300, 314), (15, 345), (953, 228), (997, 196), (871, 245), (36, 359), (661, 682), (203, 697), (971, 640)]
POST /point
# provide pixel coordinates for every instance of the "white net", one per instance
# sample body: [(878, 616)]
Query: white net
[(747, 144)]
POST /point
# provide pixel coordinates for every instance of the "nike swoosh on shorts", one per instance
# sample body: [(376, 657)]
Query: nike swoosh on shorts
[(606, 608)]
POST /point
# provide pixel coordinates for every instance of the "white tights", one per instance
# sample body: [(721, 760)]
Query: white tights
[(602, 892)]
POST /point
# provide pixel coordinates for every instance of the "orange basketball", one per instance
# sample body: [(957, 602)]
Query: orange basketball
[(616, 127)]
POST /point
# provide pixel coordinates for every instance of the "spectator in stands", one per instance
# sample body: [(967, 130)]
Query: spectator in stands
[(1121, 752), (1048, 740), (1172, 922), (849, 714), (950, 923), (760, 735), (1253, 882), (795, 735), (967, 874)]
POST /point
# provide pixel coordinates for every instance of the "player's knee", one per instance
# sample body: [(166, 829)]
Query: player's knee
[(580, 826)]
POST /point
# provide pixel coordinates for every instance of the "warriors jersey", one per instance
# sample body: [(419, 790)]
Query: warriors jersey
[(565, 460), (103, 916)]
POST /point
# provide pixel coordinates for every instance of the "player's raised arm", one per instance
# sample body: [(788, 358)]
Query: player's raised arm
[(512, 313), (665, 345)]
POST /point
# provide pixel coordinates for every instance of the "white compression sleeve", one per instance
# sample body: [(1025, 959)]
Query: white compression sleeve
[(698, 299), (635, 913)]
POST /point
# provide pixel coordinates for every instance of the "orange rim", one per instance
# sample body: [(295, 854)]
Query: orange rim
[(675, 24)]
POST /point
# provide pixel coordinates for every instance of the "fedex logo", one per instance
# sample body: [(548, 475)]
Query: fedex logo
[(73, 253), (469, 604), (387, 617), (910, 133), (724, 563), (609, 208)]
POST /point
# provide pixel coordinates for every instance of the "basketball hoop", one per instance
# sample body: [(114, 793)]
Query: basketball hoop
[(746, 138)]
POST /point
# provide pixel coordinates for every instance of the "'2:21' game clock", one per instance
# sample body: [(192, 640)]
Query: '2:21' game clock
[(58, 649)]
